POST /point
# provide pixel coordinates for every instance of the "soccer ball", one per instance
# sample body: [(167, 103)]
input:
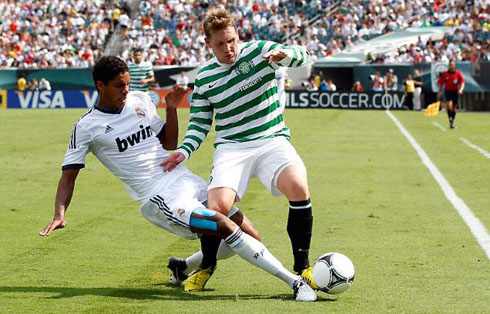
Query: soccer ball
[(333, 273)]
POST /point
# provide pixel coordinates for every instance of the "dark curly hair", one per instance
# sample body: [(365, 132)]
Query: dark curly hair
[(107, 68)]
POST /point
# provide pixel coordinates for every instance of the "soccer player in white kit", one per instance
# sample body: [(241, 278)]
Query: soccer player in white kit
[(238, 87), (126, 134)]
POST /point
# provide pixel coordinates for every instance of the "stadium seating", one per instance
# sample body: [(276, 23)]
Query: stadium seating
[(72, 33), (53, 33)]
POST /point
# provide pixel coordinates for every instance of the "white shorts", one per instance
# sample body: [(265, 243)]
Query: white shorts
[(235, 164), (171, 209)]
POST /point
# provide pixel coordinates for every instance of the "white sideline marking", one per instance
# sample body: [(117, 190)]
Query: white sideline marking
[(477, 148), (443, 129), (475, 225)]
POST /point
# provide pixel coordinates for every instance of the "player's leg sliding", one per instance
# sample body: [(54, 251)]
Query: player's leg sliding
[(211, 222), (257, 254), (209, 248), (180, 268), (300, 224), (201, 219)]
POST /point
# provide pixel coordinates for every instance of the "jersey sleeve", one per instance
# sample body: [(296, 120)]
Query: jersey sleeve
[(78, 148), (296, 55), (200, 120)]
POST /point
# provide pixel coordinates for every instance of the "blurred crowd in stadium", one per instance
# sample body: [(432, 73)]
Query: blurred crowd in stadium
[(74, 33)]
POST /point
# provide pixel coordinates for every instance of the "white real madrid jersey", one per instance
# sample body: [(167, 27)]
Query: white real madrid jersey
[(126, 143)]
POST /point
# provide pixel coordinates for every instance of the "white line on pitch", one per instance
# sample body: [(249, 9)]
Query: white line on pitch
[(475, 225), (477, 148), (439, 126)]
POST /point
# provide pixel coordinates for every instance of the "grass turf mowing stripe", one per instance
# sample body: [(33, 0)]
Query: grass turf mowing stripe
[(477, 228), (443, 129), (477, 148)]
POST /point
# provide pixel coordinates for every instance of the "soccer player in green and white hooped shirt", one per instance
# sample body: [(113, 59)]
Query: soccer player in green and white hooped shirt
[(140, 72), (238, 85)]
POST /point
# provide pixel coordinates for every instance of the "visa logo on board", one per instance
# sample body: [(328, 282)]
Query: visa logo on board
[(41, 99), (53, 99)]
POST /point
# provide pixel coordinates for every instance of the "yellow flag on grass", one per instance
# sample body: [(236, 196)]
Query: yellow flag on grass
[(433, 109)]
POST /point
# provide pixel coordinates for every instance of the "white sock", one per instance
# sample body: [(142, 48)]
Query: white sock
[(193, 262), (224, 251), (195, 259), (254, 252)]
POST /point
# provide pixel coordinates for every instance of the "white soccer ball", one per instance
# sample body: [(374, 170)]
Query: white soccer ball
[(333, 273)]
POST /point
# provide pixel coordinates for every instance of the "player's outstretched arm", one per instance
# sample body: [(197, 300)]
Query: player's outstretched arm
[(172, 161), (169, 137), (287, 56), (275, 55), (66, 186)]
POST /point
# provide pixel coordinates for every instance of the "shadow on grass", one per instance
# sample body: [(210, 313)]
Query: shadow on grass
[(174, 293)]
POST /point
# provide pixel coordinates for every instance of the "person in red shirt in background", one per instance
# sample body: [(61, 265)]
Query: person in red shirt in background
[(452, 82), (357, 87)]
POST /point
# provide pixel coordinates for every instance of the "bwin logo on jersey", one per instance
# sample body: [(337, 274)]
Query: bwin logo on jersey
[(133, 139)]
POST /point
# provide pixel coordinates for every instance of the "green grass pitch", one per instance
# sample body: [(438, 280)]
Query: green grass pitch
[(373, 200)]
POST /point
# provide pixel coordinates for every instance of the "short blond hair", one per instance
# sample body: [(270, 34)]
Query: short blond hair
[(217, 19)]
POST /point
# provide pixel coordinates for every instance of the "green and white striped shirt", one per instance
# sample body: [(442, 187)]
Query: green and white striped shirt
[(137, 72), (243, 96)]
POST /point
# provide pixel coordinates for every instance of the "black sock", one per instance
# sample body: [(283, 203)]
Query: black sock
[(209, 249), (451, 115), (300, 223)]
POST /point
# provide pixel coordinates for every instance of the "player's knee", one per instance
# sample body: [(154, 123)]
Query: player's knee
[(220, 205), (221, 200), (293, 183), (299, 193), (296, 190)]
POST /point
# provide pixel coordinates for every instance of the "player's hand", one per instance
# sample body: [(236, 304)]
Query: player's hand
[(177, 93), (172, 161), (57, 223), (460, 91), (275, 55)]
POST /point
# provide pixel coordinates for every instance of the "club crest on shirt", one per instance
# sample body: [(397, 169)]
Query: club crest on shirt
[(180, 211), (139, 112), (244, 67)]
